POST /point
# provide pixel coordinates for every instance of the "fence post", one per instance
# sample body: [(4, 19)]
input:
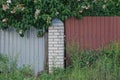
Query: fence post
[(56, 45)]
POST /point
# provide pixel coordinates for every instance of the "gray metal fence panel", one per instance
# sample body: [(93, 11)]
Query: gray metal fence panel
[(29, 50)]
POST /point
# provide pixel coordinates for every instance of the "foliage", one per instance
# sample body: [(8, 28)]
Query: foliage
[(24, 14), (10, 71), (82, 58), (103, 65), (4, 63)]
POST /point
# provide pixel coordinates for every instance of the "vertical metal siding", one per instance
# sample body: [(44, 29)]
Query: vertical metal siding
[(92, 32), (29, 49)]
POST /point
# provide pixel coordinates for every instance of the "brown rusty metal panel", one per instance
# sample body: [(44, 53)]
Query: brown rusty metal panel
[(118, 28), (115, 29), (107, 29), (67, 31), (92, 32)]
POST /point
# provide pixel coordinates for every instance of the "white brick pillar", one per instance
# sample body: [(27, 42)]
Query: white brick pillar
[(56, 45)]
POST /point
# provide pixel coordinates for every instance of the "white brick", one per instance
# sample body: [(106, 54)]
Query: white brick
[(51, 51), (55, 54), (61, 37), (52, 37), (61, 43), (58, 24), (52, 48), (62, 34), (56, 39), (61, 48), (59, 27), (50, 43), (60, 56), (53, 31), (55, 60), (50, 40), (56, 33), (58, 45), (50, 34), (51, 57), (61, 31), (56, 57), (55, 44), (59, 51), (57, 63)]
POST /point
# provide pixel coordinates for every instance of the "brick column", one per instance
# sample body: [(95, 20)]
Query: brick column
[(56, 45)]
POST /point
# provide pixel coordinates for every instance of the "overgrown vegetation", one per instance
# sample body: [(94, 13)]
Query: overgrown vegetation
[(86, 65), (10, 71), (24, 14)]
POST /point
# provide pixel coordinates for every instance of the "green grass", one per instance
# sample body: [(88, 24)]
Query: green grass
[(86, 65)]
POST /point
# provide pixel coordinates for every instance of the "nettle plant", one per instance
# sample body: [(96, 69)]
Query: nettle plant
[(24, 14)]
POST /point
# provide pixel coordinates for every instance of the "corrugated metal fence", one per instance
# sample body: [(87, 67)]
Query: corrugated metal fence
[(29, 49), (92, 32)]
